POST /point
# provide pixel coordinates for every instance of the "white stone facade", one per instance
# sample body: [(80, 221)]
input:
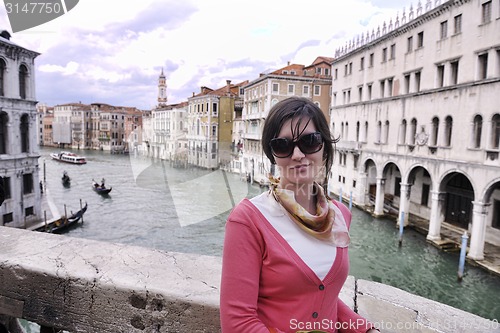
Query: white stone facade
[(417, 114), (19, 167), (169, 126)]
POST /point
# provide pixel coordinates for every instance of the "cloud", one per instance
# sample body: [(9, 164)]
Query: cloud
[(113, 51)]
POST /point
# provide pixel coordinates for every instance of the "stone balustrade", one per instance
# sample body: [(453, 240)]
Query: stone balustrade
[(81, 285)]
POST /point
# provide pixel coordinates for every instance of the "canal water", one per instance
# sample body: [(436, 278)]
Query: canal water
[(153, 204)]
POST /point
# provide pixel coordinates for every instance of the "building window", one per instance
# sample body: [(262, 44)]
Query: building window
[(317, 90), (384, 54), (25, 135), (420, 39), (327, 71), (448, 131), (386, 132), (29, 211), (393, 51), (372, 59), (389, 86), (346, 69), (336, 73), (486, 12), (362, 63), (4, 119), (409, 47), (397, 186), (402, 134), (477, 130), (357, 131), (6, 187), (379, 132), (407, 83), (369, 88), (23, 80), (214, 130), (305, 90), (413, 131), (496, 214), (360, 93), (483, 66), (444, 30), (365, 135), (276, 87), (3, 66), (495, 131), (7, 218), (434, 132), (291, 89), (454, 72), (440, 76), (382, 88), (27, 183), (350, 68), (417, 81), (457, 24), (425, 194)]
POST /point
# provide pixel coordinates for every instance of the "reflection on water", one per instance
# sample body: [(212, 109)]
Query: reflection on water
[(184, 210)]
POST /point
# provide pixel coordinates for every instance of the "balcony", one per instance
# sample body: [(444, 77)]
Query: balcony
[(350, 146)]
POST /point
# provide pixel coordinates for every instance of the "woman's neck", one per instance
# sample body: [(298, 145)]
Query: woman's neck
[(305, 195)]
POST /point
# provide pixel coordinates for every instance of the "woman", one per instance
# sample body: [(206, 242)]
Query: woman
[(285, 251)]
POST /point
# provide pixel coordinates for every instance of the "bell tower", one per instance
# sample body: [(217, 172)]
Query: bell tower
[(162, 89)]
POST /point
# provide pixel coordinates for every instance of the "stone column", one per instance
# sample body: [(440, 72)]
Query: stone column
[(379, 197), (478, 233), (437, 217), (361, 192), (404, 204)]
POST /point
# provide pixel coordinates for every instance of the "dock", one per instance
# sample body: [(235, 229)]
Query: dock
[(451, 239)]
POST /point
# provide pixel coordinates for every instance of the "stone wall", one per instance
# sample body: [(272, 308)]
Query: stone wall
[(81, 285)]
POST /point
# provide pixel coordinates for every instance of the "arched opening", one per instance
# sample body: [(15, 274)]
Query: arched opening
[(4, 119), (25, 133), (459, 197), (23, 81)]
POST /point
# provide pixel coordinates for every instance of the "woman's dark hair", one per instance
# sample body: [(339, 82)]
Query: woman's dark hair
[(301, 109)]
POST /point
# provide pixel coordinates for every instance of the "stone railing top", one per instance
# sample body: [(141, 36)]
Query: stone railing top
[(82, 285)]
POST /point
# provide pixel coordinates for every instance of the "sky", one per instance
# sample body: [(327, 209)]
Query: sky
[(112, 51)]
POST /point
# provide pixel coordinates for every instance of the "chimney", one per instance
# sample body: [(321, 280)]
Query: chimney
[(228, 86), (288, 63)]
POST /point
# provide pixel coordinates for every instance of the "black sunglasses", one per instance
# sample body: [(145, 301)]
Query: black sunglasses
[(308, 144)]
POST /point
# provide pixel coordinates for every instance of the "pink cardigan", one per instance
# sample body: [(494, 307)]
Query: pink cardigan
[(265, 284)]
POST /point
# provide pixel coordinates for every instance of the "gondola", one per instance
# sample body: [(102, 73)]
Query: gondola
[(100, 188), (66, 180), (64, 222)]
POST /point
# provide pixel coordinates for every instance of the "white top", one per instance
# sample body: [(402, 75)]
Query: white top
[(317, 254)]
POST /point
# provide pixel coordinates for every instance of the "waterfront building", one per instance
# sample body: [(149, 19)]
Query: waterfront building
[(146, 133), (210, 125), (18, 135), (415, 107), (313, 82), (111, 127), (45, 118), (168, 139), (133, 126), (69, 127)]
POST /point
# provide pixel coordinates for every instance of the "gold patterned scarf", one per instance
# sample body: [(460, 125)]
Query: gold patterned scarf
[(323, 225)]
